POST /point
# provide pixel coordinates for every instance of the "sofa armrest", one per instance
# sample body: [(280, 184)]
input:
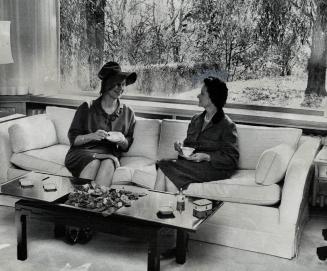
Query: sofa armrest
[(297, 180), (5, 150), (5, 147)]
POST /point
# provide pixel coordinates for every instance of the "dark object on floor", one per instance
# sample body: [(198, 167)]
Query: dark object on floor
[(322, 253), (85, 235), (75, 235), (168, 254), (324, 234)]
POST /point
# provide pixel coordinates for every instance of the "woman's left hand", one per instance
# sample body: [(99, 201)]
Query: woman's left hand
[(199, 157), (117, 138)]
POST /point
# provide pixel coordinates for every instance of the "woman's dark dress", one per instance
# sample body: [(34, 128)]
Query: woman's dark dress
[(89, 120), (218, 139)]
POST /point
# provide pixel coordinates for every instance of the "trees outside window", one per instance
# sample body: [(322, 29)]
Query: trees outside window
[(270, 52)]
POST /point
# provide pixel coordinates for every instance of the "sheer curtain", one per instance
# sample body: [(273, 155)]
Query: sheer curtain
[(34, 45)]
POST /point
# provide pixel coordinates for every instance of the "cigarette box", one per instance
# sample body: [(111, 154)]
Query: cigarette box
[(202, 208)]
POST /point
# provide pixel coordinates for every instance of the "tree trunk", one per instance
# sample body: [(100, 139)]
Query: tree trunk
[(95, 35), (317, 62)]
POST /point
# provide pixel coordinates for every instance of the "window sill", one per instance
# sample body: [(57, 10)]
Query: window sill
[(313, 121)]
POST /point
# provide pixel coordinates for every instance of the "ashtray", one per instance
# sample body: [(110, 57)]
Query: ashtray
[(166, 210)]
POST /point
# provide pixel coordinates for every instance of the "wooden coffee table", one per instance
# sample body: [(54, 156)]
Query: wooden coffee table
[(139, 221)]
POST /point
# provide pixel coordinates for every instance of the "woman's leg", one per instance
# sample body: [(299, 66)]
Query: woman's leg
[(105, 172), (170, 187), (90, 171), (160, 184)]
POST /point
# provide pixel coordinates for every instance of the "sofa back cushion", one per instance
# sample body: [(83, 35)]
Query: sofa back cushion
[(62, 119), (34, 133), (254, 140), (146, 138), (171, 131), (272, 164)]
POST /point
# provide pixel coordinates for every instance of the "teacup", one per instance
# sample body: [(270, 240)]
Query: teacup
[(187, 151)]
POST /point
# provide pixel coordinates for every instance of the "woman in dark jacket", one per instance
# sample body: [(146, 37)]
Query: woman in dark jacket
[(213, 135), (100, 132)]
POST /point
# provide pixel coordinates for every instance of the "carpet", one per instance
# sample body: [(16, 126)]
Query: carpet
[(106, 252)]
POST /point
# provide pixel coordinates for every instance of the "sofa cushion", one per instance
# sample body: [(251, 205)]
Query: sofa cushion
[(62, 119), (171, 131), (146, 138), (272, 164), (140, 170), (145, 177), (34, 133), (241, 188), (47, 160), (122, 176), (254, 140)]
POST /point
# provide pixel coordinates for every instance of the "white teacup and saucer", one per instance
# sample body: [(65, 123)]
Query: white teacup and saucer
[(187, 152)]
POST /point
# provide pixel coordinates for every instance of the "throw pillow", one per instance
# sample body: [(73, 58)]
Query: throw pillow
[(272, 164), (34, 133)]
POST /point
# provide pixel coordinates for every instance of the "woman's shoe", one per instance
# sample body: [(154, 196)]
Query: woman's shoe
[(71, 235)]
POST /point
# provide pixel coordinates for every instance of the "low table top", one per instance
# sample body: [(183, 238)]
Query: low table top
[(37, 191), (143, 209), (146, 208)]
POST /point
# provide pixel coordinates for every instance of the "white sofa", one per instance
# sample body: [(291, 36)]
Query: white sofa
[(256, 217)]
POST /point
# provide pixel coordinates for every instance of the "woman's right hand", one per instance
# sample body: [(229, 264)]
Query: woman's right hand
[(99, 135), (178, 147)]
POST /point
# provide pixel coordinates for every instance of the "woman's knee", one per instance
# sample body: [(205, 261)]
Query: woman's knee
[(108, 165), (90, 170)]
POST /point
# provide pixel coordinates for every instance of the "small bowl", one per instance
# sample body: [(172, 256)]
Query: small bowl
[(187, 151)]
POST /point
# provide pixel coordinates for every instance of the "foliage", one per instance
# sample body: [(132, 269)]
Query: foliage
[(245, 39)]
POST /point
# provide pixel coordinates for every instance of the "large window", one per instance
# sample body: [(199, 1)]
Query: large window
[(270, 52)]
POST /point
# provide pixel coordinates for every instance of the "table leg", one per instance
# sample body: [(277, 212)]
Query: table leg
[(181, 245), (20, 220), (153, 252)]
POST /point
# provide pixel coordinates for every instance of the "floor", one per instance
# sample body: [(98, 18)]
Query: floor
[(107, 252)]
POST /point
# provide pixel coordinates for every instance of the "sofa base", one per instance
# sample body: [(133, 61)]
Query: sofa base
[(279, 241)]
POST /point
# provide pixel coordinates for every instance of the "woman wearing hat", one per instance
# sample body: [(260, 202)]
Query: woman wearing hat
[(100, 132), (213, 136)]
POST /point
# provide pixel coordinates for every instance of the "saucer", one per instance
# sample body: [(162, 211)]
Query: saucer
[(113, 137)]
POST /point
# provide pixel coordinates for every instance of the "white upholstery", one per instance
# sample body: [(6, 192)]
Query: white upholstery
[(62, 119), (250, 227), (48, 160), (272, 164), (145, 177), (254, 140), (140, 167), (35, 133), (123, 176), (171, 131), (146, 137), (240, 188)]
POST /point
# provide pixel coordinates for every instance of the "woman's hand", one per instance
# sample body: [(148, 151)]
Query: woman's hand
[(199, 157), (178, 147), (118, 138), (98, 135)]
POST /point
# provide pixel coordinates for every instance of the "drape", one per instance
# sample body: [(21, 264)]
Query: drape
[(34, 45)]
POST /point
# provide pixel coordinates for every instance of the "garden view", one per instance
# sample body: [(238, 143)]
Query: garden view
[(270, 52)]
